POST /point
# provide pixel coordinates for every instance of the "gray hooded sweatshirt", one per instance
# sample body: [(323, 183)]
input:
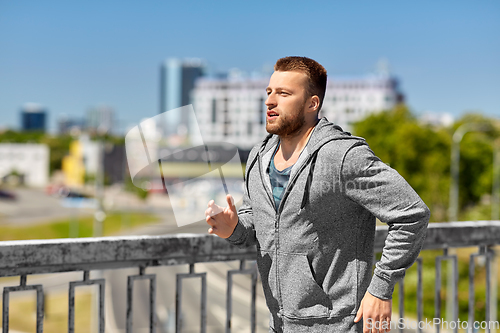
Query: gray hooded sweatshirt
[(315, 253)]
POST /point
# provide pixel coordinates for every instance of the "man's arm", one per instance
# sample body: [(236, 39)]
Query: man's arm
[(236, 227), (244, 232), (382, 191)]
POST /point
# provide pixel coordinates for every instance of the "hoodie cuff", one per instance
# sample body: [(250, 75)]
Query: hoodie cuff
[(381, 288), (238, 234)]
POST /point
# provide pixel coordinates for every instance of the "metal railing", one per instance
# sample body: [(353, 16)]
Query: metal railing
[(22, 258)]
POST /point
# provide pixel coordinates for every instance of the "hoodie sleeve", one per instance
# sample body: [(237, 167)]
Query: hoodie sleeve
[(244, 233), (382, 191)]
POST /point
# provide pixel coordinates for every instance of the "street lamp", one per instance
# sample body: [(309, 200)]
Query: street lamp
[(455, 164), (99, 215), (495, 204), (453, 205)]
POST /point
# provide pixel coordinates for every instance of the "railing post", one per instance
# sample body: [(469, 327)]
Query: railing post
[(420, 294), (494, 286), (178, 299), (401, 302), (71, 301), (452, 282), (490, 301), (39, 303), (229, 294), (152, 299), (453, 288)]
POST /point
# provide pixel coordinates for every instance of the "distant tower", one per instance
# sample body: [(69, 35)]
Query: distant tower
[(33, 117), (177, 78)]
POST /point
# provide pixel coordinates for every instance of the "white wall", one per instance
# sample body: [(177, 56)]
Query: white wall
[(32, 160)]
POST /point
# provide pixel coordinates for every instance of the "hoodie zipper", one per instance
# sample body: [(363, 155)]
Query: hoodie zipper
[(276, 225)]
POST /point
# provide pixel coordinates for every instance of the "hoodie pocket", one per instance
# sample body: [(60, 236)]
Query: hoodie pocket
[(301, 296)]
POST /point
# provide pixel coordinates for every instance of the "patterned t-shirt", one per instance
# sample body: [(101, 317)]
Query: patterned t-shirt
[(279, 181)]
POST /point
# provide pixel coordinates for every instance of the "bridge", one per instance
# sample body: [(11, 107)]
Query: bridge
[(143, 253)]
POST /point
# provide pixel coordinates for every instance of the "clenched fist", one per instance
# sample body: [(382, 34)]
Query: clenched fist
[(222, 221)]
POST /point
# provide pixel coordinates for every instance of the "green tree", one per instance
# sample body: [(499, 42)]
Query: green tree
[(421, 154)]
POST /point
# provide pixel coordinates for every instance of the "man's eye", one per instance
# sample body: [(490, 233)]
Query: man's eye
[(284, 93)]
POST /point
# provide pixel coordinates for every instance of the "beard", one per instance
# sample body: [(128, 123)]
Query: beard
[(287, 123)]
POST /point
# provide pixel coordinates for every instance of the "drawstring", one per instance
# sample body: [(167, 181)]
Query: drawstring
[(308, 182), (248, 173)]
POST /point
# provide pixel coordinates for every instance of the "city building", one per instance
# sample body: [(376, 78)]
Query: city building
[(83, 162), (348, 100), (26, 161), (73, 126), (177, 80), (437, 119), (114, 163), (100, 120), (233, 109), (33, 117), (73, 166)]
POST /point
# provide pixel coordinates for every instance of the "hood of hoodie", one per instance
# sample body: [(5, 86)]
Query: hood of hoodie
[(323, 132)]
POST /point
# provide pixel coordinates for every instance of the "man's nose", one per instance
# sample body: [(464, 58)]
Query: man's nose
[(271, 100)]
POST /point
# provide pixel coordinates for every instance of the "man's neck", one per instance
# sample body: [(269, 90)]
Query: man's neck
[(291, 146)]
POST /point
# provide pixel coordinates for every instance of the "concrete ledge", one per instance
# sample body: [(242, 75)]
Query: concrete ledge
[(62, 255), (452, 234)]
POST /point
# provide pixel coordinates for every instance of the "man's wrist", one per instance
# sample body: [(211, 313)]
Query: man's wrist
[(381, 288), (238, 232)]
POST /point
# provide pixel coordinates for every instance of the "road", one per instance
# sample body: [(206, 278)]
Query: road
[(34, 206)]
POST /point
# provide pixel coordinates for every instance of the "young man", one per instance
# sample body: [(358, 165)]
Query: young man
[(313, 193)]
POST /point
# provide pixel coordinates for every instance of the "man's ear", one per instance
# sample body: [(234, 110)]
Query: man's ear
[(314, 103)]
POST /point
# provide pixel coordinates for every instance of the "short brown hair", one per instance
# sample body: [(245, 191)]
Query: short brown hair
[(314, 71)]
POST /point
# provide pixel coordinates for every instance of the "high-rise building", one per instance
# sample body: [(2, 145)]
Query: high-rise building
[(177, 79), (233, 109), (33, 117), (100, 120)]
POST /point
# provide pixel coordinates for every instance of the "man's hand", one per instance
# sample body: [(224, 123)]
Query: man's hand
[(376, 314), (222, 220)]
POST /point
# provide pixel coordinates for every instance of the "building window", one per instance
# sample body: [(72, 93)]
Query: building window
[(226, 111), (214, 110), (263, 108)]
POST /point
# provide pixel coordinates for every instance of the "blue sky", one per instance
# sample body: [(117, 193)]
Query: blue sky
[(69, 56)]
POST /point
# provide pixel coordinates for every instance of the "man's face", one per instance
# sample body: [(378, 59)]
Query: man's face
[(286, 102)]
